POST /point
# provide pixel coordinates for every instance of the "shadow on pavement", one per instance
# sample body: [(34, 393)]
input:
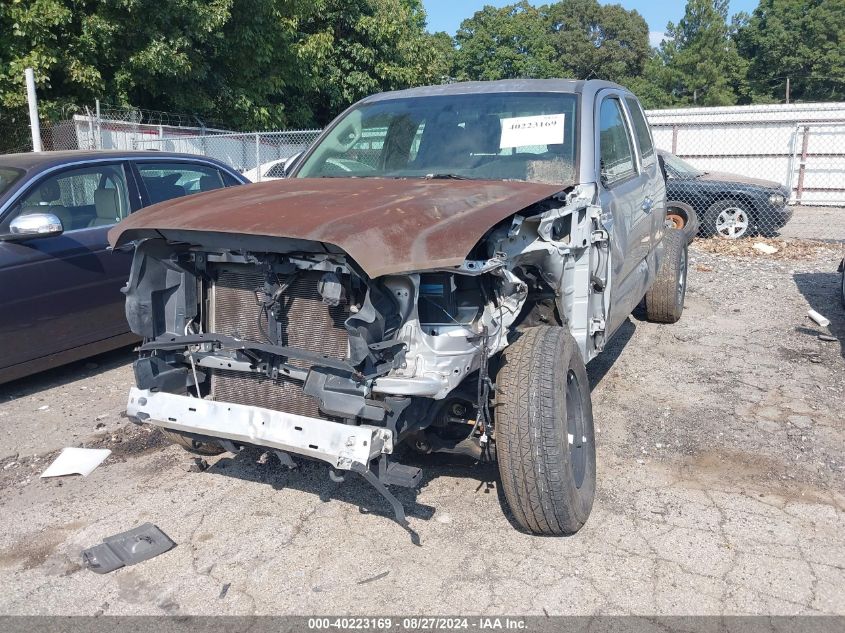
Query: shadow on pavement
[(601, 364), (66, 374), (823, 293), (313, 477)]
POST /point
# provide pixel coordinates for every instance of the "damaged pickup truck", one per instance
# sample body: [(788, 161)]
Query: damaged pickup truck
[(435, 271)]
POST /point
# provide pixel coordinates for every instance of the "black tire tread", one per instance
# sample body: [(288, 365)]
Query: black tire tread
[(661, 300), (528, 443)]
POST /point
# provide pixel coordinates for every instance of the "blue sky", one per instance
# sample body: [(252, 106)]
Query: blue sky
[(447, 15)]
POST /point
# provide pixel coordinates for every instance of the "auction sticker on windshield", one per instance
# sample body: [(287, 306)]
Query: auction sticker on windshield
[(543, 129)]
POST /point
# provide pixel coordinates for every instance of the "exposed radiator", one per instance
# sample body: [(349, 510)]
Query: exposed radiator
[(307, 323)]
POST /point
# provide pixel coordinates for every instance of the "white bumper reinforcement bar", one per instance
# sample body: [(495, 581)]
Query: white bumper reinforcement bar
[(341, 445)]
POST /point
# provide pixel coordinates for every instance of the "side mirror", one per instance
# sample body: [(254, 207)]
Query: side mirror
[(34, 225), (289, 163)]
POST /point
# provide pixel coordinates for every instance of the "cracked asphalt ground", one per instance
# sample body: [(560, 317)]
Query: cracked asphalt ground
[(720, 455)]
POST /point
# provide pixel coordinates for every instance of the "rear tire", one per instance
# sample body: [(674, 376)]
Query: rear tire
[(543, 399), (664, 301), (190, 444)]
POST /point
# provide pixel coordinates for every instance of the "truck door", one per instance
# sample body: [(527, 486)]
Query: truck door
[(654, 185), (623, 193)]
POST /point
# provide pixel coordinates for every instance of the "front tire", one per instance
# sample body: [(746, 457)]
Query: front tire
[(728, 219), (545, 442), (664, 301)]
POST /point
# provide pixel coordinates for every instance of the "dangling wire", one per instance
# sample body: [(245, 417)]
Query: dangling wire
[(484, 421)]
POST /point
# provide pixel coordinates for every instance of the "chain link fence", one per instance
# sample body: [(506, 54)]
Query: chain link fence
[(257, 155), (752, 171), (735, 172)]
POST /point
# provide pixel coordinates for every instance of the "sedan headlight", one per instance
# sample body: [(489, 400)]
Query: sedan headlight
[(777, 199)]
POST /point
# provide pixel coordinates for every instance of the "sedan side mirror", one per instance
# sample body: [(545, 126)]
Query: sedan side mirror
[(32, 225)]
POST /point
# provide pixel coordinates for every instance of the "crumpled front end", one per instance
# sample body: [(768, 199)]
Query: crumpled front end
[(291, 346)]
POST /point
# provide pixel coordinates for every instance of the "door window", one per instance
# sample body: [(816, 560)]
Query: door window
[(617, 156), (165, 181), (81, 198), (642, 132)]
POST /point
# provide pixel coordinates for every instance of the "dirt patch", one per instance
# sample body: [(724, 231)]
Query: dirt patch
[(786, 249), (33, 551), (132, 440), (126, 442)]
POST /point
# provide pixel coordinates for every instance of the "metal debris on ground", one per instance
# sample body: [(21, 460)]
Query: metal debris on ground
[(127, 548), (76, 461)]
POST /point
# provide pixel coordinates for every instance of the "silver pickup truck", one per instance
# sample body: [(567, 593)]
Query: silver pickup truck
[(435, 271)]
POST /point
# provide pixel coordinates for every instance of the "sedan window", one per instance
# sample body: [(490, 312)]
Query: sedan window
[(165, 181), (8, 177), (81, 198)]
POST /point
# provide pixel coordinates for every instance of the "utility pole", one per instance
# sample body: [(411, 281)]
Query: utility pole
[(35, 126), (787, 89)]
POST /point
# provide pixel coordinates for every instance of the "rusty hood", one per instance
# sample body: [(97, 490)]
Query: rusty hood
[(386, 225)]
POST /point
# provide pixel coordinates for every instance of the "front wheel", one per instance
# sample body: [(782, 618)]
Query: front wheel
[(729, 219), (545, 443)]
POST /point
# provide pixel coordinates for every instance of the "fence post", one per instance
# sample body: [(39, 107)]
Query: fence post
[(257, 157), (35, 125), (803, 164), (99, 139), (92, 143), (675, 138)]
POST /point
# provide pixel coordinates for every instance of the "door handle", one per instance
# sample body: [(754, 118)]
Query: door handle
[(647, 205)]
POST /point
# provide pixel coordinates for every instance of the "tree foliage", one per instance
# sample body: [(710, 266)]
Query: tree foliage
[(254, 64), (248, 63), (581, 39), (800, 39), (701, 64)]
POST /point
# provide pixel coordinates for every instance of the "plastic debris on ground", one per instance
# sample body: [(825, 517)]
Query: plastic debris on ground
[(76, 461), (127, 548), (818, 318)]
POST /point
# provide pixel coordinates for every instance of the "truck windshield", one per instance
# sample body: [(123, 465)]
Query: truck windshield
[(8, 176), (499, 136)]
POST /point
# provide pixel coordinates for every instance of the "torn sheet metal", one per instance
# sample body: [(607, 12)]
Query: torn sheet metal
[(127, 548), (76, 461)]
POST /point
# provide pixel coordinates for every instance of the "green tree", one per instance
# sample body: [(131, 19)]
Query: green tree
[(505, 43), (800, 39), (597, 41), (245, 63), (701, 62), (580, 39), (353, 48)]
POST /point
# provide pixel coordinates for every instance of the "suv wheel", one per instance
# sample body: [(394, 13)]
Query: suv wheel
[(544, 432), (664, 301), (190, 444)]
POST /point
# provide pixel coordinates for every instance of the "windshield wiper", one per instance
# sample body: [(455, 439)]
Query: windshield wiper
[(446, 177)]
